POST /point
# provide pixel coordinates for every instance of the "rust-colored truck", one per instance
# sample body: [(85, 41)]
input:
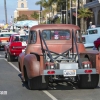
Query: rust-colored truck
[(54, 53)]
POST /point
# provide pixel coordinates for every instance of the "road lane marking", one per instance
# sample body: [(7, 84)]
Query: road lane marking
[(13, 66), (46, 92), (50, 95)]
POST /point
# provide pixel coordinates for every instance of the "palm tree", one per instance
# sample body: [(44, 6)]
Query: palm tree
[(84, 13), (48, 4)]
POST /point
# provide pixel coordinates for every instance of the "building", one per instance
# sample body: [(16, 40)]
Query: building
[(94, 5), (22, 9)]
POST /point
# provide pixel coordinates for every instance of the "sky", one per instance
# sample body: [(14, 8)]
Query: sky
[(11, 7)]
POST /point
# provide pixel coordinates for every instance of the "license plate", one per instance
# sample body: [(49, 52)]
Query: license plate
[(69, 72)]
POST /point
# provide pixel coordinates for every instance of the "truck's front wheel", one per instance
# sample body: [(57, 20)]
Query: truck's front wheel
[(9, 57), (38, 83), (88, 81)]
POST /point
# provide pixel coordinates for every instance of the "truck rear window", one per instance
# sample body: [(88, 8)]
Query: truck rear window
[(56, 34), (21, 38)]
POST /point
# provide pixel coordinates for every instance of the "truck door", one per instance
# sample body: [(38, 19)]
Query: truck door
[(92, 35)]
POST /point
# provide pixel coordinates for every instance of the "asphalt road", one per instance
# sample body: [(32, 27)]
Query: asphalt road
[(10, 81)]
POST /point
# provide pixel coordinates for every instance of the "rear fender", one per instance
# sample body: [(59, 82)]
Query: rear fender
[(94, 58), (32, 65)]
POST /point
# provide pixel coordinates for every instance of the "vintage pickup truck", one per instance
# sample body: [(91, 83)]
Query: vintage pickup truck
[(15, 46), (54, 53)]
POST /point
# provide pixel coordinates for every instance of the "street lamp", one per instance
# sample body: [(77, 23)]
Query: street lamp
[(5, 11)]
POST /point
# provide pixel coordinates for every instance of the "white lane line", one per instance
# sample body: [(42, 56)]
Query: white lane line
[(46, 92), (13, 66), (50, 95)]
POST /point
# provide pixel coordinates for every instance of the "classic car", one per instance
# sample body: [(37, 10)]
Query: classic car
[(15, 46), (4, 37), (48, 58), (90, 36)]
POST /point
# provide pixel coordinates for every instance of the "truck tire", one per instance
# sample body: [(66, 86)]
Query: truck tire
[(36, 83), (85, 83), (5, 55), (9, 57), (25, 75), (19, 66)]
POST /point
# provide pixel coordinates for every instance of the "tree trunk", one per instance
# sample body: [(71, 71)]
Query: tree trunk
[(82, 25), (85, 25)]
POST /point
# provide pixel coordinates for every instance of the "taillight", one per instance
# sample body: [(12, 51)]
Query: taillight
[(88, 71), (51, 72), (83, 39)]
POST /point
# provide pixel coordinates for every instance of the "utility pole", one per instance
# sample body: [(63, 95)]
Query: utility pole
[(70, 11), (76, 12), (5, 11), (40, 13), (66, 12)]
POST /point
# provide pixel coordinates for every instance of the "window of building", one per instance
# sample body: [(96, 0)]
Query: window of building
[(32, 37), (56, 34), (93, 31), (22, 5)]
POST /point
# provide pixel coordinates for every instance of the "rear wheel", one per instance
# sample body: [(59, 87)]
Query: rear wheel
[(88, 81), (19, 66), (25, 75), (38, 83)]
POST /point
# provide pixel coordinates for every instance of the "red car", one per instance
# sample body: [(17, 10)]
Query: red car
[(97, 44), (15, 46)]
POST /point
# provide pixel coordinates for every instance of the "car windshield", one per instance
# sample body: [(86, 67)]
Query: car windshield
[(56, 34), (5, 35)]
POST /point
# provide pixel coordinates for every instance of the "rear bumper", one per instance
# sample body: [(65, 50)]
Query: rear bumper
[(88, 44), (78, 71), (15, 54), (2, 44)]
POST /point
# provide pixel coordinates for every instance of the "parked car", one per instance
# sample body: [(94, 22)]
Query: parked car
[(97, 44), (90, 36), (48, 59), (4, 38), (15, 46)]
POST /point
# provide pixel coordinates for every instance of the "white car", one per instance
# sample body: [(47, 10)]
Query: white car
[(90, 36), (4, 38)]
